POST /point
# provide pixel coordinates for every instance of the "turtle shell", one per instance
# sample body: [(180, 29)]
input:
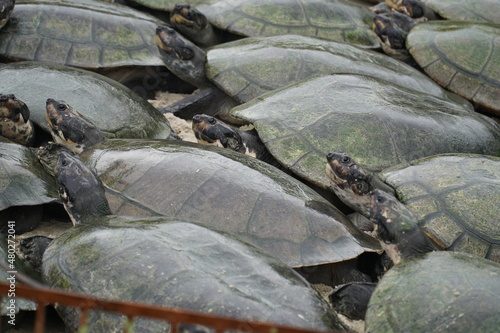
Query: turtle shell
[(177, 264), (450, 292), (249, 67), (25, 187), (116, 110), (226, 191), (455, 198), (336, 20), (23, 180), (466, 10), (463, 57), (375, 122), (87, 34)]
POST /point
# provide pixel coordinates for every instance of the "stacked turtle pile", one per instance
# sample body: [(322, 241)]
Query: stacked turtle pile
[(242, 229)]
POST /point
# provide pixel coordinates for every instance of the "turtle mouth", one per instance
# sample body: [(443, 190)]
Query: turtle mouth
[(52, 116), (165, 38), (336, 172)]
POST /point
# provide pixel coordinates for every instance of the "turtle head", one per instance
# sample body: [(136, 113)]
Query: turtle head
[(211, 131), (80, 190), (13, 108), (181, 57), (69, 128), (412, 8), (48, 155), (187, 16), (6, 8), (14, 120), (194, 25), (349, 181), (390, 34), (397, 228)]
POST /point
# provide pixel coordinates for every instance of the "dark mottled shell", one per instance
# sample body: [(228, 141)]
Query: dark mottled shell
[(177, 264), (336, 20), (249, 67), (463, 57), (455, 198), (440, 292), (226, 191), (23, 180), (375, 122), (466, 10), (116, 110), (88, 34)]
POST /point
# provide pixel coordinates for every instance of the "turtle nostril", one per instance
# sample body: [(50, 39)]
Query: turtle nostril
[(329, 156), (3, 98)]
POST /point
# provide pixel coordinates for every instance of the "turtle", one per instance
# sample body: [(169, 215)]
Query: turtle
[(466, 10), (70, 128), (448, 281), (15, 123), (211, 131), (194, 25), (450, 292), (351, 299), (452, 197), (6, 8), (377, 123), (168, 262), (116, 110), (415, 9), (269, 209), (109, 38), (438, 48), (392, 29), (26, 188), (247, 68), (336, 20)]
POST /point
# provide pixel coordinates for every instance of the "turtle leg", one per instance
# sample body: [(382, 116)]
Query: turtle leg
[(210, 101), (32, 250), (351, 299)]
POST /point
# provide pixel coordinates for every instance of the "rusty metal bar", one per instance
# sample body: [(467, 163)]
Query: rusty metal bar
[(40, 317), (131, 310)]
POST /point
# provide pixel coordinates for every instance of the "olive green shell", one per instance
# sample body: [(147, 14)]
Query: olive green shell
[(115, 109), (466, 10), (249, 67), (177, 264), (87, 34), (456, 199), (23, 180), (336, 20), (226, 191), (463, 57), (439, 292), (375, 122)]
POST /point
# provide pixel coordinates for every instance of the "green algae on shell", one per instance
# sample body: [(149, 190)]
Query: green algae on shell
[(172, 263), (375, 122)]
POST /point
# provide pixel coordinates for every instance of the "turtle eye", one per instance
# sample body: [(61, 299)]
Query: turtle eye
[(346, 159), (61, 107), (64, 162), (171, 32), (380, 199), (211, 120)]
